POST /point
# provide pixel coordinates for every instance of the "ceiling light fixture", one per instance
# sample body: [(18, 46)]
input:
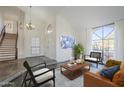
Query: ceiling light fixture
[(29, 25)]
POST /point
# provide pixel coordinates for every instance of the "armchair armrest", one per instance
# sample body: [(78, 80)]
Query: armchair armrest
[(38, 65), (92, 80), (85, 56)]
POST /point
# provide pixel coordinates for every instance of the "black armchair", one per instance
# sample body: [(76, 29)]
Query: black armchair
[(38, 77), (94, 57)]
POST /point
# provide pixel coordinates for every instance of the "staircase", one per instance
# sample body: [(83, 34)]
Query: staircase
[(8, 46)]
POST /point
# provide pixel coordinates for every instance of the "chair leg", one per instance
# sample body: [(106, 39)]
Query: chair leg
[(24, 80), (29, 84), (54, 82)]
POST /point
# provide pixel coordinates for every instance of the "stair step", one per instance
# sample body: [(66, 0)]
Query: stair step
[(10, 35), (3, 55), (7, 59), (8, 45), (7, 52), (7, 48), (4, 51), (11, 38), (9, 41), (7, 55)]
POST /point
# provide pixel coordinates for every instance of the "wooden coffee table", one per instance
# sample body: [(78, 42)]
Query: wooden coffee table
[(72, 72)]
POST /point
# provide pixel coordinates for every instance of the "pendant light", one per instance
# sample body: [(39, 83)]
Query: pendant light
[(29, 25)]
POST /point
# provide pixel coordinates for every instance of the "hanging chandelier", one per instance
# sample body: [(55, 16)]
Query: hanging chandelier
[(29, 25)]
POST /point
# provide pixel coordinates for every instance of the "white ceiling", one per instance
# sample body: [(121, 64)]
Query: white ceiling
[(41, 12), (82, 16), (92, 16)]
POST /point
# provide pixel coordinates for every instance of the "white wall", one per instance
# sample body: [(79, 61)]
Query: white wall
[(63, 27), (119, 39), (50, 42), (47, 42), (29, 34), (11, 14), (41, 17), (1, 20), (119, 45)]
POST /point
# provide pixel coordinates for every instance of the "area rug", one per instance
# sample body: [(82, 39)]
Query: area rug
[(62, 81)]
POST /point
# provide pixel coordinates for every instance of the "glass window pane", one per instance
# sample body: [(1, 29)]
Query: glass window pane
[(98, 32), (103, 41), (111, 35), (95, 37), (107, 30), (97, 45)]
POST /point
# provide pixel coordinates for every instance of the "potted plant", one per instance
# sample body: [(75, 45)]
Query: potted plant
[(78, 50)]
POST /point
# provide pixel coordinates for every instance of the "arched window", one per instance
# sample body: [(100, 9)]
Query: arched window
[(103, 40)]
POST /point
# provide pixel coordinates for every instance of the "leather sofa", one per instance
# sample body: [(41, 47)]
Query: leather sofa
[(95, 80)]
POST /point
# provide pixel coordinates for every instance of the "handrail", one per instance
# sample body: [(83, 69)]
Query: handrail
[(2, 34), (16, 56)]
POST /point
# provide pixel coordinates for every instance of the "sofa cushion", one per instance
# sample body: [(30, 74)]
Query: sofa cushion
[(91, 58), (111, 62), (98, 74), (109, 72), (43, 77), (118, 78)]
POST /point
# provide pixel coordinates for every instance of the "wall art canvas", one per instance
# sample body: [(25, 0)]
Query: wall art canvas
[(67, 42)]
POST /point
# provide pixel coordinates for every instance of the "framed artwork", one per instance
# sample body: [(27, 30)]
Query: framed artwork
[(67, 42)]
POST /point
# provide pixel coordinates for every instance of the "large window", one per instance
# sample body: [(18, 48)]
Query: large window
[(103, 40)]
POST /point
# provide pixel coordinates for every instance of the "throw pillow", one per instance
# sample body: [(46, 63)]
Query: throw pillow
[(111, 62), (122, 66), (118, 78), (109, 72)]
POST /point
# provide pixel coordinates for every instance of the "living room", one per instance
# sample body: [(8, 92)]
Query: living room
[(61, 37)]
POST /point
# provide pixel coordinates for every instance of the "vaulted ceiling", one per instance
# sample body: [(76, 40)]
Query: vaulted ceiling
[(92, 16), (82, 16)]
